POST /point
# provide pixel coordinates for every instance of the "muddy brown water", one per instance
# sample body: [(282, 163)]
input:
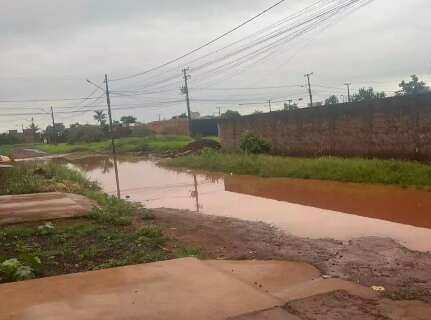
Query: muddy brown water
[(306, 208)]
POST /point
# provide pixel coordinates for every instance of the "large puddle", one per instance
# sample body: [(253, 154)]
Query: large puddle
[(307, 208)]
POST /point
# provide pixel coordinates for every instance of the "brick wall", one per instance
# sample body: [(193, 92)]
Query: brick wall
[(396, 127), (170, 127), (203, 127)]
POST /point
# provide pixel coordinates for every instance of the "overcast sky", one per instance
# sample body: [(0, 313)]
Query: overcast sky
[(49, 48)]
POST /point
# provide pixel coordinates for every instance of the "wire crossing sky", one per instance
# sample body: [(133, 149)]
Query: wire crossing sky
[(240, 54)]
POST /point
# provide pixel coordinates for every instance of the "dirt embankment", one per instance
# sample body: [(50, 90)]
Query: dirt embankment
[(21, 153), (405, 274)]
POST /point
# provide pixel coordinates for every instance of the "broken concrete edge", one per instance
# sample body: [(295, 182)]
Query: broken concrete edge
[(23, 208)]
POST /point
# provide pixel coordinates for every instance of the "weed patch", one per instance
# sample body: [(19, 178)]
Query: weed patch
[(395, 172)]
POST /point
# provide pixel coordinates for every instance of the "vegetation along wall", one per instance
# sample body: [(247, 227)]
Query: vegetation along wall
[(396, 127)]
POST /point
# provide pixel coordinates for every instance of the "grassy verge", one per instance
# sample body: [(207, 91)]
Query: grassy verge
[(146, 144), (404, 173), (116, 233), (5, 150)]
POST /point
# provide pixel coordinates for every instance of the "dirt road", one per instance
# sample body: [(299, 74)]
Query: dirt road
[(369, 261)]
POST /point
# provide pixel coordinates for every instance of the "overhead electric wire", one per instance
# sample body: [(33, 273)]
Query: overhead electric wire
[(315, 21), (202, 46), (278, 23), (272, 35)]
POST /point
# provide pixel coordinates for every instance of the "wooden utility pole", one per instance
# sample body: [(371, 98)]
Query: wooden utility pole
[(309, 87), (269, 105), (219, 111), (196, 192), (114, 153), (348, 91), (185, 90), (54, 130)]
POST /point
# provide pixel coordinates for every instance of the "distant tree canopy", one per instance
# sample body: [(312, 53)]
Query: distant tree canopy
[(413, 87), (127, 120), (332, 100), (229, 114), (85, 133), (34, 128), (181, 116), (100, 116), (290, 106), (6, 138), (369, 94)]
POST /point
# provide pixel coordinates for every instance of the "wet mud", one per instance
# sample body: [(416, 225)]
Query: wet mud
[(369, 261)]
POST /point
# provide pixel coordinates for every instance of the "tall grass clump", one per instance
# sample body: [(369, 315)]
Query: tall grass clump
[(396, 172), (37, 176), (130, 144)]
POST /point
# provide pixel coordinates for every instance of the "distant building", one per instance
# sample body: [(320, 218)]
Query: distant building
[(315, 104), (195, 115), (30, 136), (13, 132)]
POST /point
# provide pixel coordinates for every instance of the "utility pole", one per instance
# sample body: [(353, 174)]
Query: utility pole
[(348, 91), (54, 130), (309, 87), (219, 111), (196, 192), (114, 153), (185, 90), (269, 105)]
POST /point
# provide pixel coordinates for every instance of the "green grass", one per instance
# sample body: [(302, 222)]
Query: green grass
[(5, 150), (133, 144), (115, 233), (404, 173), (82, 246), (35, 177)]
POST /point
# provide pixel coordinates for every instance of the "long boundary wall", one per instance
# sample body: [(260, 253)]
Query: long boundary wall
[(396, 127)]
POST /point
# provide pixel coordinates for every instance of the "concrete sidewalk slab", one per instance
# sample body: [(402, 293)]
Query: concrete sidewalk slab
[(269, 275), (42, 206), (177, 289), (288, 280)]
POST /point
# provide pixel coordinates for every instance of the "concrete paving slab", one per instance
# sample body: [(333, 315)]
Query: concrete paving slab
[(270, 275), (177, 289), (287, 280), (42, 206), (321, 286)]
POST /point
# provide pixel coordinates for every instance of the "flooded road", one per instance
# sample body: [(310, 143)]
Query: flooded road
[(306, 208)]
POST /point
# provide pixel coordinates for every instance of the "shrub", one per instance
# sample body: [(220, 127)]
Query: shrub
[(141, 131), (86, 133), (14, 270), (250, 143)]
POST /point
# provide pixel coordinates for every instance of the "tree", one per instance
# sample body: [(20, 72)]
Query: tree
[(413, 87), (230, 114), (365, 94), (100, 116), (181, 116), (127, 120), (290, 106), (34, 128), (332, 100)]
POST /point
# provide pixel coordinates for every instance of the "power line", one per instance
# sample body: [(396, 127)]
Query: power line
[(45, 100), (278, 23), (202, 46), (249, 88)]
